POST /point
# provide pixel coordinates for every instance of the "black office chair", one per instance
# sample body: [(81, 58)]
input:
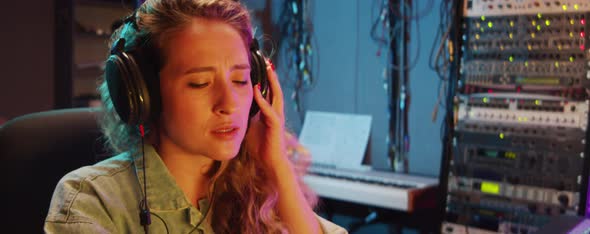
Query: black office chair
[(36, 150)]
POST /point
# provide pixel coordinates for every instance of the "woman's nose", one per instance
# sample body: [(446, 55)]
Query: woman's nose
[(226, 102)]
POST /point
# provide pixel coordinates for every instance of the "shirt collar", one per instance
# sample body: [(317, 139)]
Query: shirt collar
[(163, 193)]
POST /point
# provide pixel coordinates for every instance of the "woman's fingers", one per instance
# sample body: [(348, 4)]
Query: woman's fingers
[(274, 111), (275, 86), (265, 108)]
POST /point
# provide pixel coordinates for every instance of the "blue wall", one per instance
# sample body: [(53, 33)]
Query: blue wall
[(350, 77)]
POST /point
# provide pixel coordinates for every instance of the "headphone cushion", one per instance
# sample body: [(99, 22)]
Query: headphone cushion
[(118, 89)]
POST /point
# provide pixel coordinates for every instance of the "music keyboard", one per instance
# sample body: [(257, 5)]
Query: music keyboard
[(381, 189)]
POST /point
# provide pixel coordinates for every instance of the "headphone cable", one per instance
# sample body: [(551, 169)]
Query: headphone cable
[(144, 215)]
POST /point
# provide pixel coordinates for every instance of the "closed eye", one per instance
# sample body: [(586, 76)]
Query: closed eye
[(197, 86), (241, 82)]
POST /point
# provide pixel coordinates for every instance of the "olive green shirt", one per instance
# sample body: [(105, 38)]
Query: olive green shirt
[(104, 198)]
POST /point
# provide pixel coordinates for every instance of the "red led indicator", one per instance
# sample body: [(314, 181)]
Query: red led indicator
[(490, 91), (141, 130), (582, 34), (583, 21), (582, 47)]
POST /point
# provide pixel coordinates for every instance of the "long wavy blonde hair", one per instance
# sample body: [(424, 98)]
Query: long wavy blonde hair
[(242, 195)]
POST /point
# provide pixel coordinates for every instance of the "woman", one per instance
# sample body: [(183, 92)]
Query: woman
[(209, 163)]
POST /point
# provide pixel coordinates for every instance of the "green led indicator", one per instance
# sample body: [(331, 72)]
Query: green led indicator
[(526, 63), (501, 135), (547, 22), (556, 64), (538, 27), (490, 24), (571, 58), (539, 15), (510, 155), (483, 18), (537, 102), (488, 187), (511, 58), (485, 100)]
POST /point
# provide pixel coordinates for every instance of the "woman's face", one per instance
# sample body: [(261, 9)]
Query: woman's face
[(206, 90)]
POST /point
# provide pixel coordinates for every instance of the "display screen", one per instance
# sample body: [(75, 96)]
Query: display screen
[(496, 154), (537, 80), (488, 187)]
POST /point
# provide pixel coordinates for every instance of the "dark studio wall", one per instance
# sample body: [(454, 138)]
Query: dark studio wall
[(27, 64)]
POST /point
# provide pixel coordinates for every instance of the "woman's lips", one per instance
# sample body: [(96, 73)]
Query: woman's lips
[(225, 133)]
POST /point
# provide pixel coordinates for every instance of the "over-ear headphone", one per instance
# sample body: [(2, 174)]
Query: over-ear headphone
[(131, 73)]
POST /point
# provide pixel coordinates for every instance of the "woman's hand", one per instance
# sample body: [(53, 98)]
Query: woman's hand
[(266, 138), (266, 134)]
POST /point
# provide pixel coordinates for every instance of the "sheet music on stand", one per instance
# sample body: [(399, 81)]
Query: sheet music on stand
[(337, 143), (336, 139)]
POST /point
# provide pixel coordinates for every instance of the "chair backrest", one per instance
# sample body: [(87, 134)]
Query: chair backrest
[(36, 150)]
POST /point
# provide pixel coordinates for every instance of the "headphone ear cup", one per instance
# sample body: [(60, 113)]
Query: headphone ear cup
[(115, 73), (140, 95), (127, 89), (258, 75)]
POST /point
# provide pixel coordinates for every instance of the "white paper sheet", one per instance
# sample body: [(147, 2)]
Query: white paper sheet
[(336, 139)]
